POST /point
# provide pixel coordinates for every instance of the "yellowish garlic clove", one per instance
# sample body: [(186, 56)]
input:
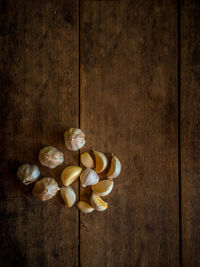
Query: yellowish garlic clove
[(51, 157), (45, 189), (70, 174), (89, 177), (74, 139), (85, 207), (28, 173), (115, 168), (87, 160), (103, 188), (68, 195), (97, 203), (101, 161)]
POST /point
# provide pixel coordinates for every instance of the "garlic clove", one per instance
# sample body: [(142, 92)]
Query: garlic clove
[(115, 168), (85, 207), (51, 157), (101, 161), (45, 189), (87, 160), (70, 174), (74, 139), (89, 177), (68, 196), (103, 188), (97, 203), (28, 173)]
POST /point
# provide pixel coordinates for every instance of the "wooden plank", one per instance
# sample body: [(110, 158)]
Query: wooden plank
[(129, 107), (39, 100), (190, 131)]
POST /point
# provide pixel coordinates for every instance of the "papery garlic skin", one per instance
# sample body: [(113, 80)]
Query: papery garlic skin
[(115, 168), (74, 139), (51, 157), (89, 177), (97, 203), (70, 174), (101, 161), (28, 173), (68, 195), (103, 188), (87, 160), (85, 207), (45, 189)]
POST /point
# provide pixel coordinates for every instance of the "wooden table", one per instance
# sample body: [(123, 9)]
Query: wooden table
[(127, 73)]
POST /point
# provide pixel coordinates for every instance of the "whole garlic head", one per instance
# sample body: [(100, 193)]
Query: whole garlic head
[(51, 157), (74, 139), (45, 189), (89, 177), (28, 173)]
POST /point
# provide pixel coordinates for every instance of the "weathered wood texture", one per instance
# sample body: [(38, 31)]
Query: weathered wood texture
[(190, 131), (39, 100), (129, 107)]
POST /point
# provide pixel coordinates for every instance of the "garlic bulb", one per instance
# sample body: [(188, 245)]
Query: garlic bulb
[(45, 189), (28, 173), (103, 188), (115, 168), (85, 207), (68, 196), (70, 174), (74, 139), (89, 177), (51, 157), (98, 203)]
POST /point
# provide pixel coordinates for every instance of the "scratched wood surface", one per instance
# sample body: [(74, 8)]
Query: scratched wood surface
[(190, 131), (39, 100), (129, 107)]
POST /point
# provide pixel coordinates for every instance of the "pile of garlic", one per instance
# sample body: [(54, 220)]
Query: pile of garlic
[(49, 156)]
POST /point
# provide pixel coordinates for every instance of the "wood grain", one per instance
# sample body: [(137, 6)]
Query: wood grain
[(190, 131), (129, 107), (39, 100)]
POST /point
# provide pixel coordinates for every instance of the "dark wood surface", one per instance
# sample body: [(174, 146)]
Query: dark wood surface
[(190, 131), (39, 100), (129, 107), (111, 68)]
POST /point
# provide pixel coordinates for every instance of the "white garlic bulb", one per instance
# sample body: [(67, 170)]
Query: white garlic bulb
[(74, 139), (51, 157), (45, 189), (89, 177), (28, 173)]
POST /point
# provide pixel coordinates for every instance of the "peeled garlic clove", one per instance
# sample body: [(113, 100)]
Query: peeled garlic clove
[(68, 196), (28, 173), (74, 139), (70, 174), (87, 160), (89, 177), (98, 203), (101, 161), (51, 157), (85, 207), (45, 189), (115, 168), (103, 188)]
